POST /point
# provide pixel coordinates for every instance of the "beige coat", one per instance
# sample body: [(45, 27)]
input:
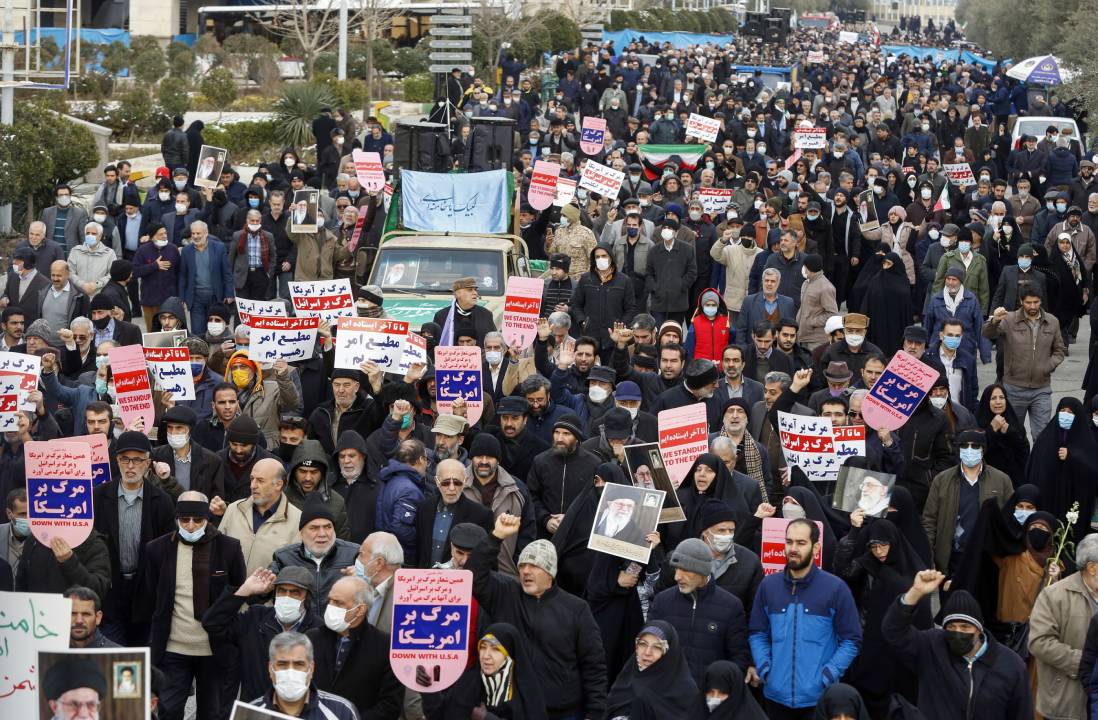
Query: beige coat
[(266, 404), (508, 499), (737, 261), (1057, 629), (817, 305), (897, 243), (278, 530), (1028, 364)]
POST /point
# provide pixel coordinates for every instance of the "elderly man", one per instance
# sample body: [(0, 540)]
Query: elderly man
[(380, 556), (766, 305), (352, 656), (464, 316), (436, 516), (131, 511), (565, 640), (320, 552), (252, 256), (184, 572), (24, 284), (86, 617), (75, 688), (205, 276), (290, 669), (63, 221), (349, 409), (358, 489), (45, 250), (62, 301), (90, 262), (266, 520)]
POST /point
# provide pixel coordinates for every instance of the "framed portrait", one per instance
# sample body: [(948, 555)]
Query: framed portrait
[(303, 213), (646, 469), (211, 161), (865, 490), (108, 683), (625, 515)]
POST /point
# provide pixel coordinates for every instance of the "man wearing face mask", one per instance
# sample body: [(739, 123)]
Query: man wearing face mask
[(252, 255), (205, 276), (64, 221), (1012, 277), (185, 571), (90, 262), (352, 656), (192, 467), (290, 669), (994, 683), (251, 631), (669, 274), (853, 348), (16, 530), (1053, 213)]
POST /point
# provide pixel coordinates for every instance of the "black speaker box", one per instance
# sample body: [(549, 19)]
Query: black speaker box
[(491, 144), (421, 146)]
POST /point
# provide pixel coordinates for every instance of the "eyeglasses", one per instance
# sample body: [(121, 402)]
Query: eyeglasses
[(971, 446), (645, 645), (92, 706), (451, 482), (124, 460), (854, 413), (192, 520)]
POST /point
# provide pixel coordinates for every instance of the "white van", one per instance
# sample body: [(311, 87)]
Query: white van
[(1036, 127)]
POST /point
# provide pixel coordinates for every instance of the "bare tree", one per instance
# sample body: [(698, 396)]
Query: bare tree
[(498, 24), (584, 12), (377, 18), (312, 24)]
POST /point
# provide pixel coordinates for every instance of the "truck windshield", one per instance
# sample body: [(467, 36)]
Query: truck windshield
[(434, 270)]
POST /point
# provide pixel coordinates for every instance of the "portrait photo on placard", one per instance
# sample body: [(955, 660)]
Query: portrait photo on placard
[(646, 469), (623, 519), (99, 683), (865, 490), (304, 211), (211, 161)]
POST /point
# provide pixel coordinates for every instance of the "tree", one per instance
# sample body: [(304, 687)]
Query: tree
[(172, 96), (40, 151), (295, 111), (116, 58), (310, 27), (256, 58), (134, 109), (377, 18), (495, 26), (181, 62), (147, 62), (219, 87)]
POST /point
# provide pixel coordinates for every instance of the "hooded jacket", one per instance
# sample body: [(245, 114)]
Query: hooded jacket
[(707, 338), (173, 305), (311, 451), (402, 491), (267, 398), (597, 305)]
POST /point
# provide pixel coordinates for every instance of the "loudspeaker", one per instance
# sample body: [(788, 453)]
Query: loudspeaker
[(491, 144), (423, 146)]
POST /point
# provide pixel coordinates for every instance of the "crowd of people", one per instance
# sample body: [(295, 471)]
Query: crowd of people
[(251, 537)]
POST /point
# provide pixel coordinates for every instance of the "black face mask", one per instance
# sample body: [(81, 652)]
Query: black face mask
[(959, 643), (102, 323), (1038, 538), (286, 451)]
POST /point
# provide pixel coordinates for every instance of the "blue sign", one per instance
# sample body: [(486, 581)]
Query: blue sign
[(101, 473), (429, 627), (455, 202), (452, 384), (51, 499), (899, 394)]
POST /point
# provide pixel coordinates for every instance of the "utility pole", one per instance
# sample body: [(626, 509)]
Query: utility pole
[(341, 73), (7, 93)]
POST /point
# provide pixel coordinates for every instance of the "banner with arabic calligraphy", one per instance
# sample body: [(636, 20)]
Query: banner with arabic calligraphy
[(100, 458), (684, 435), (171, 371), (327, 299), (897, 392), (279, 338), (458, 375), (455, 202), (19, 375), (246, 308), (59, 491), (520, 310), (413, 353), (773, 545), (31, 622), (131, 385), (429, 646), (377, 340), (809, 443)]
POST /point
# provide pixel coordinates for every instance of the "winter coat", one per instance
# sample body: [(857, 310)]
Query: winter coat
[(1061, 167), (1058, 626), (597, 305), (221, 276), (578, 243), (315, 253), (817, 305), (737, 261), (555, 481), (1027, 363), (277, 531), (976, 276), (90, 265), (362, 417), (512, 499), (944, 500), (156, 285), (790, 269), (365, 679), (669, 277), (706, 339), (90, 566), (175, 149), (310, 450), (402, 491), (342, 555), (971, 319), (711, 625), (926, 442)]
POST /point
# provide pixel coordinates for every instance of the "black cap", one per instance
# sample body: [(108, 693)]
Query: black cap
[(715, 511), (602, 373), (561, 261), (121, 270), (512, 405), (972, 436), (813, 262), (243, 430), (26, 255), (133, 440), (618, 424), (466, 536), (180, 414), (73, 673), (916, 333)]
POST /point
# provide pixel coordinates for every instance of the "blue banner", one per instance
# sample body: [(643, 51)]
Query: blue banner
[(678, 40), (455, 202), (939, 55)]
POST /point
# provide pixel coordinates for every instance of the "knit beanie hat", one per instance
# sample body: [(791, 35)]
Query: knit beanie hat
[(963, 607), (486, 445), (539, 553), (693, 555)]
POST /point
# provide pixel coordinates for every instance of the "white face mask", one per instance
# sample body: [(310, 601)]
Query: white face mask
[(64, 200), (160, 243), (695, 215), (667, 234), (854, 339), (633, 413), (598, 394), (178, 441), (163, 196), (291, 685), (494, 357), (336, 618), (565, 222), (602, 264), (287, 609), (254, 227), (215, 328), (804, 272), (925, 193), (938, 402), (712, 703), (792, 511), (944, 241), (180, 208), (721, 543), (99, 218)]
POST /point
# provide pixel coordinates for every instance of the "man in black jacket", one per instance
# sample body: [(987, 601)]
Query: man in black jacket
[(559, 474), (359, 491), (565, 640), (361, 673), (193, 466), (465, 317), (437, 514), (357, 411), (603, 297), (699, 386), (518, 445)]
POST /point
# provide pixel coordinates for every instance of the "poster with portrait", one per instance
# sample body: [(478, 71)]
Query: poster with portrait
[(110, 683), (865, 490), (32, 622), (211, 161), (304, 210), (647, 470), (623, 519), (867, 212)]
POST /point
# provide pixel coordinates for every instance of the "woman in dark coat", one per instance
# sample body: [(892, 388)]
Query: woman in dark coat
[(1007, 443), (503, 683), (725, 696), (888, 305), (574, 560), (1068, 303), (841, 701), (655, 683), (707, 478), (1064, 464), (194, 146), (598, 302)]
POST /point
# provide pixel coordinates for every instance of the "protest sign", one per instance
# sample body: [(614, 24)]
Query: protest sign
[(303, 213), (816, 56), (714, 200), (703, 128), (352, 244), (458, 375), (543, 184), (849, 441), (601, 179), (164, 339), (269, 308), (369, 170), (458, 202), (624, 517), (211, 160), (25, 368), (125, 673), (29, 622), (375, 339), (810, 138), (19, 375), (808, 443), (520, 310), (9, 409), (430, 643), (387, 196), (280, 338), (773, 545), (566, 190), (848, 37), (897, 392), (414, 352), (100, 456), (326, 299), (867, 212), (592, 134), (960, 174), (792, 159), (171, 371), (132, 391), (59, 491), (647, 470), (866, 490), (684, 435)]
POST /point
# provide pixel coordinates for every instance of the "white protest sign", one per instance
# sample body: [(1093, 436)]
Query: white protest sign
[(246, 308), (601, 179), (375, 339), (327, 299), (29, 622), (566, 190), (703, 128), (369, 170), (171, 371), (810, 138), (808, 443), (960, 174), (714, 200), (848, 37), (280, 338), (415, 352)]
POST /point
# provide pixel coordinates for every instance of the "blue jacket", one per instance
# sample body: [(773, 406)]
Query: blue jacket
[(402, 490), (971, 318), (221, 272), (711, 626), (804, 634), (76, 398)]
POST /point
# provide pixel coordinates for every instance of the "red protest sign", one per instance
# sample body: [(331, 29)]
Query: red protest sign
[(520, 311), (684, 435), (131, 385), (543, 184), (369, 170)]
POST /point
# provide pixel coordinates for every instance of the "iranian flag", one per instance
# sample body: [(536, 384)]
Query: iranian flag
[(943, 200), (658, 155)]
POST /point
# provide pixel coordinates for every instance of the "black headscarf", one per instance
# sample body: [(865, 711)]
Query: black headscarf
[(841, 699), (814, 510), (723, 488), (727, 677), (1009, 451), (1064, 482), (570, 539), (665, 690), (888, 305), (906, 517), (526, 698)]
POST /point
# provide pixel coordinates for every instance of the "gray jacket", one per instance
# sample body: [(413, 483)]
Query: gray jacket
[(74, 225)]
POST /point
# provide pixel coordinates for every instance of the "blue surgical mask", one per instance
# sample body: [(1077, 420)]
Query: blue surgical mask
[(90, 240), (1024, 263), (1021, 515), (406, 422), (253, 203), (100, 385), (952, 341), (964, 246), (632, 232), (1050, 206), (971, 457), (1065, 419), (21, 526), (101, 360), (1061, 208), (196, 368), (710, 311), (192, 537)]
